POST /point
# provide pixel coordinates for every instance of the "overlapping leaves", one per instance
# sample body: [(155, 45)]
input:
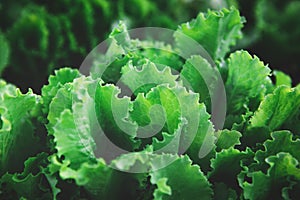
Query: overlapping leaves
[(121, 132)]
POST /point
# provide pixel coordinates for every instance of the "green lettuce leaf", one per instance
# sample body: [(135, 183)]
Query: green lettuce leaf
[(227, 165), (30, 184), (283, 167), (278, 109), (122, 49), (172, 180), (198, 74), (113, 117), (282, 141), (73, 145), (142, 79), (18, 139), (227, 139), (73, 121), (215, 31), (61, 101), (246, 82), (94, 177), (177, 127), (282, 78), (55, 82)]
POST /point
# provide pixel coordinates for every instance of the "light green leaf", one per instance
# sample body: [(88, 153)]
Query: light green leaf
[(170, 143), (61, 101), (175, 120), (215, 31), (55, 82), (113, 117), (75, 146), (282, 78), (17, 132), (259, 188), (247, 79), (7, 89), (143, 79), (282, 165), (73, 121), (123, 49), (52, 180), (136, 162), (159, 111), (203, 145), (227, 139), (277, 108), (198, 75)]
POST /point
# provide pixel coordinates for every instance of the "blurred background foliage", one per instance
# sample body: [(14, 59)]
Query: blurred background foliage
[(38, 36)]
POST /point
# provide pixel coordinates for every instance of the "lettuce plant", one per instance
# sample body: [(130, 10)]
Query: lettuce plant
[(266, 31), (46, 35), (141, 124)]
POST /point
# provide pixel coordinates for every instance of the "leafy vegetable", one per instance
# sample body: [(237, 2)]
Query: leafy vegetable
[(215, 31), (48, 35), (142, 124)]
